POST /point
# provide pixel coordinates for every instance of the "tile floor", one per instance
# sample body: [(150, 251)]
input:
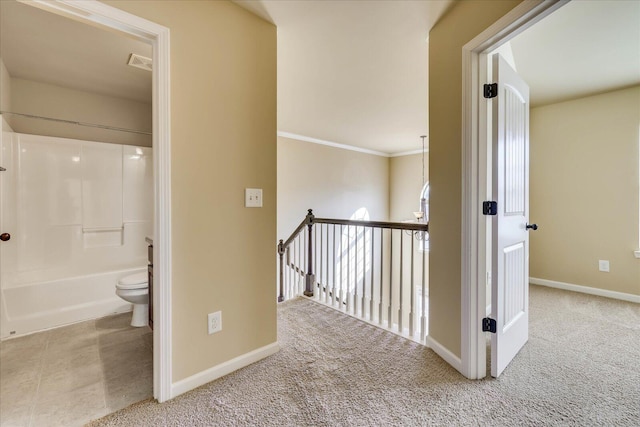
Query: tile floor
[(71, 375)]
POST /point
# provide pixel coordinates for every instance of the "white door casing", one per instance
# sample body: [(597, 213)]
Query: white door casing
[(476, 175), (94, 12), (510, 247)]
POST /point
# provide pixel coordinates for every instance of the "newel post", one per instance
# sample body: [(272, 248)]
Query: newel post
[(310, 277), (281, 254)]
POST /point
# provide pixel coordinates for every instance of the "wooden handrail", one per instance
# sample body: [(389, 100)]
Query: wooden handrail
[(310, 220)]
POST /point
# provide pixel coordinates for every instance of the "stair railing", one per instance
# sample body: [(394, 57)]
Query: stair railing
[(284, 248), (372, 270)]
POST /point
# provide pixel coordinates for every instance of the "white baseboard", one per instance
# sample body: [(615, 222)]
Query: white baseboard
[(585, 289), (222, 369), (443, 352)]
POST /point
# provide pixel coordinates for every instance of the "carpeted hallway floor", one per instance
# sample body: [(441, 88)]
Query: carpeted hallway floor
[(581, 367)]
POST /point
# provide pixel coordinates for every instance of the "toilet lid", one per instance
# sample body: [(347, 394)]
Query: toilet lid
[(133, 281)]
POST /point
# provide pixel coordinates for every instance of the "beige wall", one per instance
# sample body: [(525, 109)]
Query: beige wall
[(466, 20), (46, 100), (223, 139), (5, 88), (584, 191), (405, 181), (333, 182)]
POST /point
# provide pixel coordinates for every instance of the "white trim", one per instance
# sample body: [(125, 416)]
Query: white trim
[(585, 290), (636, 253), (347, 147), (94, 12), (162, 256), (443, 352), (471, 252), (331, 144), (408, 153), (475, 175), (223, 369)]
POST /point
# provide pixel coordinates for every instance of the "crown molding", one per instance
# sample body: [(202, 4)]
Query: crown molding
[(331, 144), (345, 146), (408, 153)]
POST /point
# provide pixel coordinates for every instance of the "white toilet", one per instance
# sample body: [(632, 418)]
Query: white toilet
[(134, 288)]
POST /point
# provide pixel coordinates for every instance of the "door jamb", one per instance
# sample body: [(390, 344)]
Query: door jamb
[(475, 175), (98, 14)]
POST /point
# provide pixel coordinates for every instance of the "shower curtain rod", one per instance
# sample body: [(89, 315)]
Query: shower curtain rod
[(72, 122)]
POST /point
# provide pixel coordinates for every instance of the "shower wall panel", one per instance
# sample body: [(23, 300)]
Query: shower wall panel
[(78, 213)]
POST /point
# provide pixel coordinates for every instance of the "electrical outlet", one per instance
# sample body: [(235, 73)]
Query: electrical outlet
[(253, 197), (214, 322), (603, 265)]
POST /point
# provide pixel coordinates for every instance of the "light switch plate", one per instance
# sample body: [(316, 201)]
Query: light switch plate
[(253, 197)]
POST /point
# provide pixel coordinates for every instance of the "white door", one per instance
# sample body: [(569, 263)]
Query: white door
[(510, 246)]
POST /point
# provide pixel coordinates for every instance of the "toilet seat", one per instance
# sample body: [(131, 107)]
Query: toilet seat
[(133, 281)]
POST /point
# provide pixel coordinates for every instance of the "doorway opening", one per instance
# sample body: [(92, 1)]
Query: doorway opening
[(582, 99), (476, 182), (106, 17)]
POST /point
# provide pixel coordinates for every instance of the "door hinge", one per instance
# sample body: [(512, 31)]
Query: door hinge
[(491, 90), (489, 208), (489, 325)]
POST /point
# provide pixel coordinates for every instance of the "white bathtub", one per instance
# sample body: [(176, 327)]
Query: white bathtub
[(44, 305), (78, 213)]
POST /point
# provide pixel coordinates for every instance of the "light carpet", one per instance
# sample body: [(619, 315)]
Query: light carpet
[(581, 367)]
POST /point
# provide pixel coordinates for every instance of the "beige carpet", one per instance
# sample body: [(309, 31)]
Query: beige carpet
[(581, 367)]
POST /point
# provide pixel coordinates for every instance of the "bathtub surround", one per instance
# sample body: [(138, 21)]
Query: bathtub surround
[(78, 212)]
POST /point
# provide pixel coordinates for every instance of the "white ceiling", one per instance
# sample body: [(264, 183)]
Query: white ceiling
[(41, 46), (349, 72), (585, 47), (353, 72)]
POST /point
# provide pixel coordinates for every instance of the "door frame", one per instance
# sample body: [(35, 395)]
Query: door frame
[(476, 245), (93, 12)]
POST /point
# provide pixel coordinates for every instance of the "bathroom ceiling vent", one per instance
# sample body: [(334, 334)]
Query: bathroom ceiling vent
[(140, 61)]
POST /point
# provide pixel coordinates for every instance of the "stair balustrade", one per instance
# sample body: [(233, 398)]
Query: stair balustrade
[(375, 271)]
